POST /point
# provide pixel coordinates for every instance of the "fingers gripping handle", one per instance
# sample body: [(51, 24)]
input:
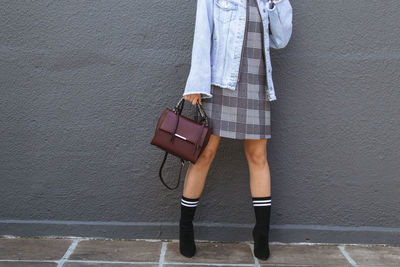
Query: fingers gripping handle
[(179, 107)]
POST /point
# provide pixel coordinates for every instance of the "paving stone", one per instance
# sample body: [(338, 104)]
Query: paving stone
[(374, 255), (27, 264), (300, 265), (201, 265), (33, 248), (117, 250), (212, 252), (308, 255), (96, 264)]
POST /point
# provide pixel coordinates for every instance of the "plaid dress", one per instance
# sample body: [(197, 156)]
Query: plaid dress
[(244, 113)]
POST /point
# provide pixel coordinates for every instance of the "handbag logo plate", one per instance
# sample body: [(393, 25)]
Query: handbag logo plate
[(180, 136)]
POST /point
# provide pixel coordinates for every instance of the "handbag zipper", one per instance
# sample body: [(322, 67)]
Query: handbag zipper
[(244, 38)]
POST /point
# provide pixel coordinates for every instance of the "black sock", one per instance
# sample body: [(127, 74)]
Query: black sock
[(262, 210), (186, 233)]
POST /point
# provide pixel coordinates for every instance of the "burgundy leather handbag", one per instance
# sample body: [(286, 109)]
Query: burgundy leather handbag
[(181, 136)]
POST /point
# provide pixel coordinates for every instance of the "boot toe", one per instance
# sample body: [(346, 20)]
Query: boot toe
[(187, 251), (261, 246)]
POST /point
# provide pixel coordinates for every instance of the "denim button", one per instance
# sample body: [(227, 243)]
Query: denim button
[(271, 5)]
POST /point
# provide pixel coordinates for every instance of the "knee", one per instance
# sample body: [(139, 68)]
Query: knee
[(257, 157), (206, 157)]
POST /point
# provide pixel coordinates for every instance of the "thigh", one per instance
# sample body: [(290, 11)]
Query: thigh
[(212, 144), (255, 147)]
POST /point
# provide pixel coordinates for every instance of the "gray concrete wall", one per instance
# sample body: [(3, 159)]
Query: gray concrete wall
[(82, 86)]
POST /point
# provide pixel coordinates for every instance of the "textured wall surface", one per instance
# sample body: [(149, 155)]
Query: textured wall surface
[(82, 84)]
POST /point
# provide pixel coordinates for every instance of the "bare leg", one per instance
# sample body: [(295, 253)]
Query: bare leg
[(260, 185), (197, 173), (260, 177), (193, 187)]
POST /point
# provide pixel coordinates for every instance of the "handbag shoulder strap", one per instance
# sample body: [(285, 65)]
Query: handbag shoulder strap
[(180, 171)]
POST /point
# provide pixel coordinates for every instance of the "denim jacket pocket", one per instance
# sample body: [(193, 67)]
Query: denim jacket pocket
[(226, 10)]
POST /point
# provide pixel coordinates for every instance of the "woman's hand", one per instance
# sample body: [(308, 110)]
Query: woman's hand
[(193, 98)]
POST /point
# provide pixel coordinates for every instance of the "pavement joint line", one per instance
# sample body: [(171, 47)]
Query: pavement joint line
[(200, 240), (256, 262), (162, 254), (347, 256), (68, 253), (207, 224)]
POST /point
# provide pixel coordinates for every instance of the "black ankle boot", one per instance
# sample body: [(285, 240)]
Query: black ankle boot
[(187, 245), (261, 246), (262, 209)]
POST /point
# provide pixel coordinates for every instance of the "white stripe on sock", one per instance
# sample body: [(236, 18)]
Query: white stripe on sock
[(189, 202), (187, 205), (266, 204), (262, 201)]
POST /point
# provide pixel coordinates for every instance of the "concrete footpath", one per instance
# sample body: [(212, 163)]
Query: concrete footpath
[(75, 252)]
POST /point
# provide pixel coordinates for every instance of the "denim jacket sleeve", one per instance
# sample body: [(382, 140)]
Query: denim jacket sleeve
[(280, 24), (199, 78)]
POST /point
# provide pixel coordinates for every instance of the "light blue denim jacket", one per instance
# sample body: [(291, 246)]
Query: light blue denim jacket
[(218, 41)]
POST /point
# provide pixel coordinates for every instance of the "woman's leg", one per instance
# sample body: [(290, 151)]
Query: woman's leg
[(197, 173), (193, 187), (260, 185), (260, 178)]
